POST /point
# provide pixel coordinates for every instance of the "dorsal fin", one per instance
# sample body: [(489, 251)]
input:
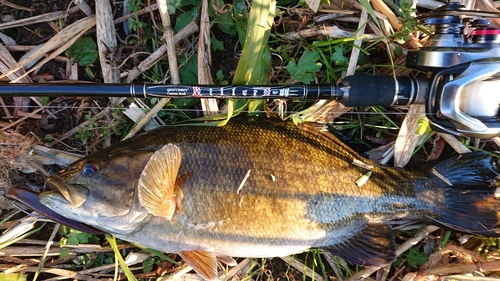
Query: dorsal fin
[(157, 188)]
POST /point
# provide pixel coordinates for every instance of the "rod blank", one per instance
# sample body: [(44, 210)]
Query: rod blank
[(315, 92)]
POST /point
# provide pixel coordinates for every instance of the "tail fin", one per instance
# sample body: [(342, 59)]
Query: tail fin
[(471, 197)]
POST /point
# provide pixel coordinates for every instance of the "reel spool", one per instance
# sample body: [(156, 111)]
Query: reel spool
[(463, 54)]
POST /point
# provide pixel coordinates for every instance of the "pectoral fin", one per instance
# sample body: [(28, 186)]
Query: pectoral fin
[(157, 188), (203, 262), (374, 246)]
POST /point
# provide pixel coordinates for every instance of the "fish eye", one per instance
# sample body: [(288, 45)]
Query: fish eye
[(89, 169)]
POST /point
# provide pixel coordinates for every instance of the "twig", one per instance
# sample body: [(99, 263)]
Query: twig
[(38, 19), (21, 119), (175, 276), (456, 144), (82, 125)]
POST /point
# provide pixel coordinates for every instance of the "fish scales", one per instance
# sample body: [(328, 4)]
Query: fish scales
[(262, 189)]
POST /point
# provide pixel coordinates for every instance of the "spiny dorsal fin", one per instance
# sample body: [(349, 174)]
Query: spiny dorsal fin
[(157, 187), (203, 262)]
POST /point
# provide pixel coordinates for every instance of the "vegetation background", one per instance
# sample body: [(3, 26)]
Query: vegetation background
[(211, 42)]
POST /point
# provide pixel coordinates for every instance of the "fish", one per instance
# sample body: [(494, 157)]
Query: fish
[(266, 189)]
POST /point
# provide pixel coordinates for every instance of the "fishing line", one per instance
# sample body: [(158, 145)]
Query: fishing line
[(24, 211), (59, 109)]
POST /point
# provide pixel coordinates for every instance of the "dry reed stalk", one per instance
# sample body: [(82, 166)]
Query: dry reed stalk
[(106, 41), (453, 142), (330, 110), (15, 6), (57, 44), (235, 269), (384, 9), (168, 34), (464, 268), (209, 106), (107, 46), (84, 7), (145, 10), (51, 156), (179, 273), (152, 59), (408, 139), (330, 31), (36, 251), (39, 19), (313, 4)]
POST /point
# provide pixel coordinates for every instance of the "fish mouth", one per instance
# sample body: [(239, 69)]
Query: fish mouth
[(74, 194)]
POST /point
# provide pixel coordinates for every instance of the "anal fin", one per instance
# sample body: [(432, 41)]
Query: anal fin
[(203, 262), (374, 245)]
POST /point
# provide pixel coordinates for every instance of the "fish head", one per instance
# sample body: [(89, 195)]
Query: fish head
[(100, 190)]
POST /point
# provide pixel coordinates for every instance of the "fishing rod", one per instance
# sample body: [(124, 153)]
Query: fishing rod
[(462, 96)]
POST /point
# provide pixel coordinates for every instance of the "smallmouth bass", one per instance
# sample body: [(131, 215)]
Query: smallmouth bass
[(265, 189)]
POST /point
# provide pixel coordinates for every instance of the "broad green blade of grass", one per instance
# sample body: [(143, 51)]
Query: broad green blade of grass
[(112, 242), (255, 61), (249, 70), (12, 277)]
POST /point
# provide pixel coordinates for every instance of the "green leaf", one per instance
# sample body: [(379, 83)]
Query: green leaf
[(338, 55), (83, 51), (76, 237), (423, 126), (304, 70), (225, 22), (64, 253), (172, 6), (147, 265), (188, 72), (240, 19), (184, 19), (416, 258), (216, 44)]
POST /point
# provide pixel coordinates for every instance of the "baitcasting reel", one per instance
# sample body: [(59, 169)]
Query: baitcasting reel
[(463, 53)]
